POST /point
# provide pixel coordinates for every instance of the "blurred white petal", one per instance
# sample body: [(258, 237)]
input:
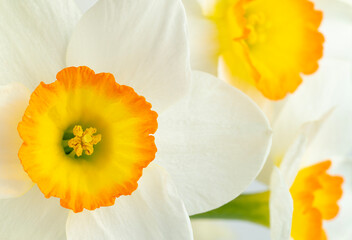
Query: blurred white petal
[(206, 229), (281, 207), (213, 143), (14, 181), (204, 43)]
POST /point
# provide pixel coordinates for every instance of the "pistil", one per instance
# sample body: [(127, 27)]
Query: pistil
[(84, 141)]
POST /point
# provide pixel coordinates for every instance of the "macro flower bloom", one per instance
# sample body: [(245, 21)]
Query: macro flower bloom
[(127, 141), (312, 134), (306, 169), (262, 44)]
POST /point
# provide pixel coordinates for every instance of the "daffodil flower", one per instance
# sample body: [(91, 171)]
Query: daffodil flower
[(308, 163), (262, 44), (127, 141), (309, 169)]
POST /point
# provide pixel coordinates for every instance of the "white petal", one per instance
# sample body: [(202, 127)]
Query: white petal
[(84, 5), (153, 211), (206, 229), (322, 91), (335, 136), (142, 42), (270, 108), (14, 181), (33, 40), (213, 143), (204, 42), (246, 230), (32, 216), (337, 28), (294, 157), (281, 207)]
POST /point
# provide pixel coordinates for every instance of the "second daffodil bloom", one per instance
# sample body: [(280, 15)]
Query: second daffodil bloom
[(127, 141), (262, 44), (309, 168)]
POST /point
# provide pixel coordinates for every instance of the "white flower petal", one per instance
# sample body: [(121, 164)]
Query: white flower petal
[(270, 108), (14, 181), (153, 211), (281, 207), (335, 137), (213, 143), (210, 229), (142, 42), (293, 158), (84, 5), (203, 35), (32, 216), (328, 88), (34, 38), (337, 28)]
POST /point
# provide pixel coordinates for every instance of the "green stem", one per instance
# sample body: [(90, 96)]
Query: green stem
[(247, 207)]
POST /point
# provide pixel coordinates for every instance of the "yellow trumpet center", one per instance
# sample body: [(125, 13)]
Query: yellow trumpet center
[(68, 158), (84, 141)]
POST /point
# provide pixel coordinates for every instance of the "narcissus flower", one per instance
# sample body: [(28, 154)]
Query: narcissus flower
[(310, 148), (309, 164), (266, 44), (128, 144)]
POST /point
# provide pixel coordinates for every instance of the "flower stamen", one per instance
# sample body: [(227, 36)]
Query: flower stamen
[(84, 141)]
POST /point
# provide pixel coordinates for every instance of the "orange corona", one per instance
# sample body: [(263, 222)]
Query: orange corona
[(86, 139), (315, 194)]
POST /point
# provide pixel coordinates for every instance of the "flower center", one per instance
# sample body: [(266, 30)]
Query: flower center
[(258, 27), (84, 141), (64, 153), (315, 194)]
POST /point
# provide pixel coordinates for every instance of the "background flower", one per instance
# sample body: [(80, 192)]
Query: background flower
[(328, 88)]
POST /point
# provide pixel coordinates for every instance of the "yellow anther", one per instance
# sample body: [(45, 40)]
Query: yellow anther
[(84, 141), (78, 131)]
